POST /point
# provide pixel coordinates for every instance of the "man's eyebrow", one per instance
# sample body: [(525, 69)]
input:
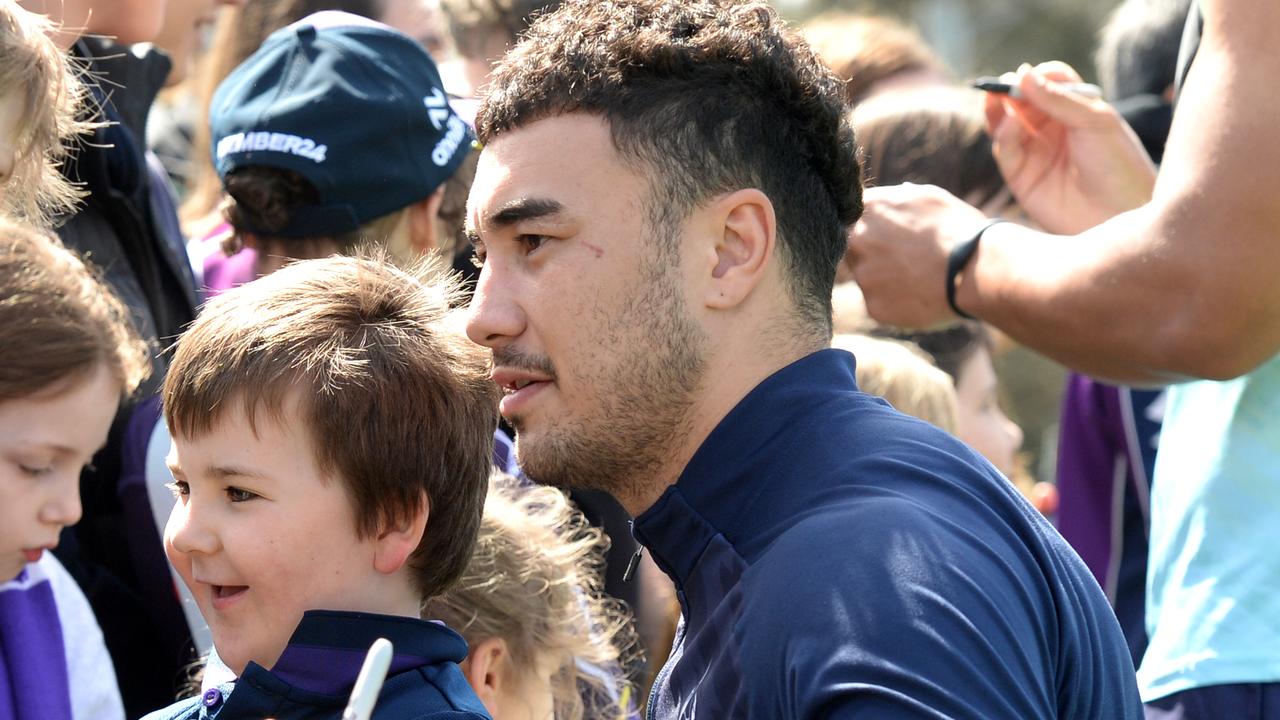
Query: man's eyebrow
[(524, 209)]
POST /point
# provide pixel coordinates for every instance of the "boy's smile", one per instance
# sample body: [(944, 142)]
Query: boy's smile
[(224, 596), (261, 534)]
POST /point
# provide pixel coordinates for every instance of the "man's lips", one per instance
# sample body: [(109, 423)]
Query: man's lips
[(518, 388), (513, 380)]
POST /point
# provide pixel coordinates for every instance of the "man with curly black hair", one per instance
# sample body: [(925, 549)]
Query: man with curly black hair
[(664, 195)]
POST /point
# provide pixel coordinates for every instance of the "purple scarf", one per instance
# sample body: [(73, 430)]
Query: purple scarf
[(33, 661)]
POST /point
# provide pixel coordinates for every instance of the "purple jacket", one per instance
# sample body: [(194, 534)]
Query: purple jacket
[(1106, 451)]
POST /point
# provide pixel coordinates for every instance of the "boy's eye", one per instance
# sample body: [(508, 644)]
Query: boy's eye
[(178, 488), (34, 471), (236, 495)]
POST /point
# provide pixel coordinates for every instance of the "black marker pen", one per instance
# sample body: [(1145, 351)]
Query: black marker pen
[(996, 85)]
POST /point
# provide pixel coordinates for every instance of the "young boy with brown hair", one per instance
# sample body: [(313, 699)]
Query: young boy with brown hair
[(332, 443)]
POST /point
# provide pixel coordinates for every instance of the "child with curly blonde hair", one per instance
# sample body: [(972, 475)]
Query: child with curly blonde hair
[(544, 639)]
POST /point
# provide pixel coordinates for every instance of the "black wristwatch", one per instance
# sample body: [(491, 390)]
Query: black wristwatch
[(958, 259)]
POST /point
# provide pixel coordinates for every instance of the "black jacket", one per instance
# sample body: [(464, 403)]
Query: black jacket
[(128, 229)]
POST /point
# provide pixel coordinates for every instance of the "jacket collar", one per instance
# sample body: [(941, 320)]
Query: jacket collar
[(737, 483), (328, 648)]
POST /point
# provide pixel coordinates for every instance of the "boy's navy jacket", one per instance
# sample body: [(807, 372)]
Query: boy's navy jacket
[(314, 676), (834, 558)]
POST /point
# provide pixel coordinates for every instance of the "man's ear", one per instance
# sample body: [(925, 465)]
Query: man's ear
[(486, 669), (396, 544), (746, 232), (424, 230)]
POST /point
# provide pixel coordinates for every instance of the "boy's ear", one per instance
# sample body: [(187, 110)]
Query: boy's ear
[(746, 232), (485, 668), (396, 544)]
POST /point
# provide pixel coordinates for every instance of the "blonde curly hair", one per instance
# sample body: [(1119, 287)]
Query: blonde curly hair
[(35, 72), (534, 581)]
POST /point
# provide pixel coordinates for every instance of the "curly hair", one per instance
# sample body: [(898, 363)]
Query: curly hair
[(37, 74), (710, 97), (58, 318), (535, 581)]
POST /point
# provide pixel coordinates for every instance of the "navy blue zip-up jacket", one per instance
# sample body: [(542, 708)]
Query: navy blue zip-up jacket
[(314, 676), (837, 559)]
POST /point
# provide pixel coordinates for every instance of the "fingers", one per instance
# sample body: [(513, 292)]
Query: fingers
[(1057, 71), (1045, 98), (998, 106), (995, 107), (993, 110), (1050, 94), (1008, 146), (898, 252)]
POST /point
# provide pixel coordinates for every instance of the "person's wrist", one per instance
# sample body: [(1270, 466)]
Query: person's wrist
[(958, 259)]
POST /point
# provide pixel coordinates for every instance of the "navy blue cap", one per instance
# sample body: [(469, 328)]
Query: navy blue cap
[(353, 106)]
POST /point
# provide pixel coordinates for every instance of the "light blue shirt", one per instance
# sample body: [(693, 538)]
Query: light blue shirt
[(1213, 587)]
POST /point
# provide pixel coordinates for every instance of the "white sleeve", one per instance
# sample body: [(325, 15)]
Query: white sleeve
[(90, 673)]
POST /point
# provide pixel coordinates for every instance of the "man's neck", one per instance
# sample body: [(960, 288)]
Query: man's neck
[(734, 370)]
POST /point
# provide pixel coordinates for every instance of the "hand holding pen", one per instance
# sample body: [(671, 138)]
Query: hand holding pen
[(1068, 157)]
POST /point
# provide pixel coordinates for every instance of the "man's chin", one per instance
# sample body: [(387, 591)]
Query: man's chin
[(566, 473), (536, 465)]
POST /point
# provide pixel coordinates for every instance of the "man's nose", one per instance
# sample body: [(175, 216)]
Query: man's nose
[(494, 316)]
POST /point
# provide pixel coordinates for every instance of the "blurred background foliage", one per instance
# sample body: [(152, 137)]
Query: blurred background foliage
[(986, 37)]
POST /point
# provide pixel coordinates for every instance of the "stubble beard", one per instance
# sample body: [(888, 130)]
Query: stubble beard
[(645, 397)]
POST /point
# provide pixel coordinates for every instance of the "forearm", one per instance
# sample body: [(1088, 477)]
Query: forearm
[(1188, 285), (1133, 300)]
